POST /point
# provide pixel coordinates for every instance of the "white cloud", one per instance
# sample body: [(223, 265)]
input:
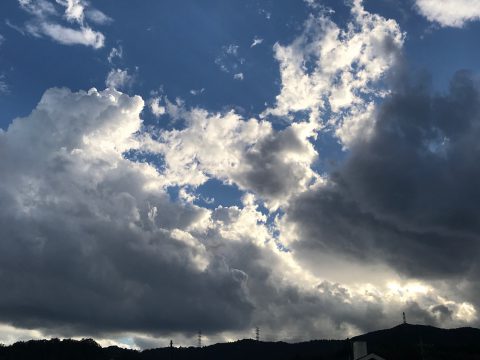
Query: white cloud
[(157, 109), (4, 88), (196, 92), (454, 13), (98, 17), (238, 76), (74, 10), (231, 49), (45, 22), (256, 41), (229, 59), (328, 67), (119, 79), (78, 10), (272, 164), (39, 8), (116, 52), (67, 36)]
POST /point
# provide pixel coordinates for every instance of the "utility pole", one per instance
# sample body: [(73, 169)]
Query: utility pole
[(199, 339), (257, 333)]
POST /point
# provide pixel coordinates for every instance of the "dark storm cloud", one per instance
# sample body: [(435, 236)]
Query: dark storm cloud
[(409, 195)]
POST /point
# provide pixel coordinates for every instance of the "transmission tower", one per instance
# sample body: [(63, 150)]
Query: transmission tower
[(199, 339), (257, 333), (404, 318)]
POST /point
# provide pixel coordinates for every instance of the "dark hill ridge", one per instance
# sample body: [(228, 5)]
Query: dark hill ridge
[(401, 342), (414, 341)]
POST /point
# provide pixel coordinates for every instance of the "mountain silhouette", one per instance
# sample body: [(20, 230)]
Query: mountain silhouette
[(401, 342)]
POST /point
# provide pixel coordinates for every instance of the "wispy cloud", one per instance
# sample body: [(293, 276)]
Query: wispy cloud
[(119, 79), (256, 41), (47, 21), (115, 53), (230, 61)]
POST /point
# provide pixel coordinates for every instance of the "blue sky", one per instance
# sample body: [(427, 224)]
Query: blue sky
[(220, 134), (175, 45)]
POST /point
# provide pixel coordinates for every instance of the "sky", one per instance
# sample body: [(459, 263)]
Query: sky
[(307, 167)]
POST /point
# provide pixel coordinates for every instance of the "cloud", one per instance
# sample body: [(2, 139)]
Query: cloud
[(107, 248), (45, 22), (67, 36), (272, 164), (119, 79), (238, 76), (453, 13), (98, 17), (331, 70), (115, 53), (4, 88), (74, 9), (196, 92), (104, 250), (229, 59), (102, 247), (256, 41), (157, 109), (407, 196)]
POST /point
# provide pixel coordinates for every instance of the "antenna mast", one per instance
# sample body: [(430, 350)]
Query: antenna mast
[(404, 318), (257, 333), (199, 338)]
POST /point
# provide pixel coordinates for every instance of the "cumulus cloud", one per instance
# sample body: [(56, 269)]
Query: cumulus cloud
[(272, 164), (453, 13), (45, 22), (96, 231), (107, 250), (104, 250)]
